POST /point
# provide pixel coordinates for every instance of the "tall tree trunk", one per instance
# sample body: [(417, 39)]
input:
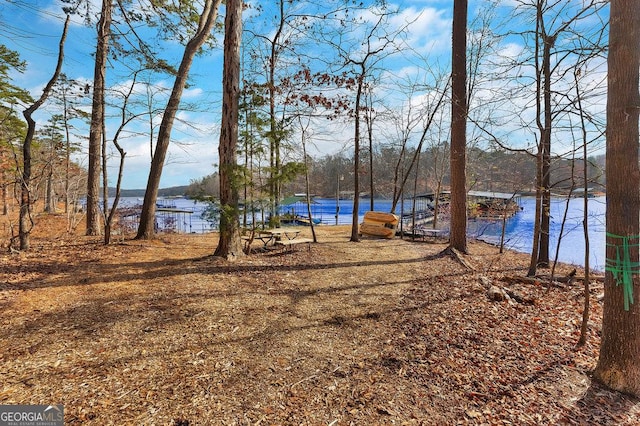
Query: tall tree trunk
[(307, 183), (230, 244), (584, 327), (537, 227), (25, 223), (458, 233), (415, 196), (105, 189), (535, 250), (274, 140), (67, 159), (5, 192), (369, 118), (398, 178), (97, 119), (245, 166), (619, 362), (50, 203), (110, 212), (356, 161), (4, 185), (205, 25), (545, 218)]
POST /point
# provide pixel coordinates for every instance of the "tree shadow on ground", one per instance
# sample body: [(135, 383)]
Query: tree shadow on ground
[(602, 406), (56, 274)]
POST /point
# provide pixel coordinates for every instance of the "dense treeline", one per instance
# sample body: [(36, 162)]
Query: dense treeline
[(498, 171)]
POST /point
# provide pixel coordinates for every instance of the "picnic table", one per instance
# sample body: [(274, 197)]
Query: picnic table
[(265, 238), (278, 233), (288, 239), (270, 237)]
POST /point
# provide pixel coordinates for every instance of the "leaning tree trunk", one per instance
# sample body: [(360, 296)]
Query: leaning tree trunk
[(25, 223), (230, 244), (397, 190), (619, 362), (146, 228)]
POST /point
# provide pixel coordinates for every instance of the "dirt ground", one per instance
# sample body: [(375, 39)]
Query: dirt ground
[(378, 332)]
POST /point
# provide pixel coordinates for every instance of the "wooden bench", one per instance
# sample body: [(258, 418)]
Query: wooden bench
[(290, 244)]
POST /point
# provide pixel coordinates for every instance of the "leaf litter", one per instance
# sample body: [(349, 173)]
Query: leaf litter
[(375, 332)]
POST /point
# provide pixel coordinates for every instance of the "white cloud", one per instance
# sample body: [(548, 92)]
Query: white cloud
[(429, 29), (191, 93)]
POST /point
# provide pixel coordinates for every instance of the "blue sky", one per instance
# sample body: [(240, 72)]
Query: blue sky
[(34, 31), (33, 27)]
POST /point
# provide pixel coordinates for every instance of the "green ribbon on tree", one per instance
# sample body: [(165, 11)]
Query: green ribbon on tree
[(622, 268)]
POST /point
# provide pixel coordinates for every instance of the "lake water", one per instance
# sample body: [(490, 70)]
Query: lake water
[(519, 228)]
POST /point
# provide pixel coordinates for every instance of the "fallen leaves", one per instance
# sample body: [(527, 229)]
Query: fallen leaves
[(380, 332)]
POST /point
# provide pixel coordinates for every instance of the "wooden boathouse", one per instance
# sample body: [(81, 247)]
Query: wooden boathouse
[(484, 205)]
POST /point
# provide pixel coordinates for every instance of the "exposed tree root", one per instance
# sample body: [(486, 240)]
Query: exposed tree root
[(457, 256)]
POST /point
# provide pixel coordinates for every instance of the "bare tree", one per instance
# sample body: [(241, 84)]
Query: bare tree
[(431, 110), (125, 118), (369, 118), (555, 41), (304, 127), (25, 222), (584, 328), (361, 56), (68, 94)]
